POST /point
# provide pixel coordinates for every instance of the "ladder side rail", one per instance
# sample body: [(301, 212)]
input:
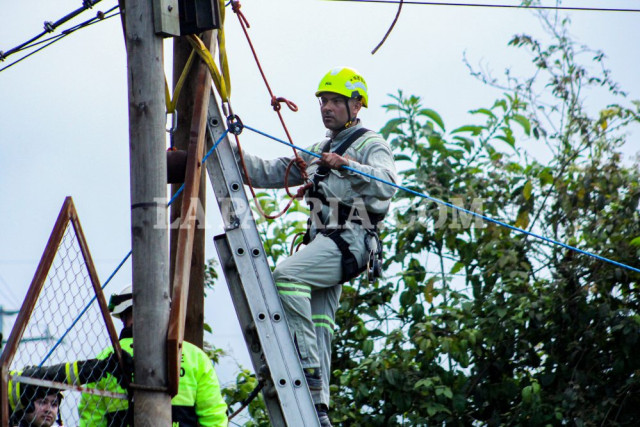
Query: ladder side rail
[(259, 288), (249, 330)]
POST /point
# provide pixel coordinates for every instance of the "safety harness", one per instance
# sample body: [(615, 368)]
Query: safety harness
[(346, 214)]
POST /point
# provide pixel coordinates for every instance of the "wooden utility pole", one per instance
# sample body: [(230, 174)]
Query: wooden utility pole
[(186, 232), (148, 215), (194, 325)]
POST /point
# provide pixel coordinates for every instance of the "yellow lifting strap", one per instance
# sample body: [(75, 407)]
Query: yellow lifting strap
[(172, 102), (221, 81)]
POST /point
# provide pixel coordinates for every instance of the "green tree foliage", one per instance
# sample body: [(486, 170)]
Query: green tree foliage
[(479, 324), (238, 393)]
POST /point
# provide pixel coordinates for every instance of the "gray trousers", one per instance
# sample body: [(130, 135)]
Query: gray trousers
[(309, 288)]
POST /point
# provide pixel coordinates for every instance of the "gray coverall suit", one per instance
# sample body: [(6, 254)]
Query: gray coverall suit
[(309, 282)]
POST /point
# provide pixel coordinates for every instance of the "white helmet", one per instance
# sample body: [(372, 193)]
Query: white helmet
[(121, 301)]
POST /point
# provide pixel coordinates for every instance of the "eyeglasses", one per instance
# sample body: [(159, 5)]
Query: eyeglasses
[(335, 100)]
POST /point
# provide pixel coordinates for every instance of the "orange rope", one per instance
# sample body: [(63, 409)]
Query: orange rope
[(299, 194), (276, 104), (293, 242)]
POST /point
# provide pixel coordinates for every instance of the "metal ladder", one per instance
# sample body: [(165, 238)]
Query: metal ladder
[(253, 290)]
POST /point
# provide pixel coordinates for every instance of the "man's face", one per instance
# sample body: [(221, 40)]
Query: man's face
[(45, 412), (333, 108)]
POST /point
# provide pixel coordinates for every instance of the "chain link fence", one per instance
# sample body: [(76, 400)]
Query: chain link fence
[(66, 325)]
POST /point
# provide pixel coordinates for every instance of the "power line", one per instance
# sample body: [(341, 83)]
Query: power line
[(49, 27), (100, 16), (504, 6)]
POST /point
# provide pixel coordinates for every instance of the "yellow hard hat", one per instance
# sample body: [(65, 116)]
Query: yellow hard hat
[(344, 81)]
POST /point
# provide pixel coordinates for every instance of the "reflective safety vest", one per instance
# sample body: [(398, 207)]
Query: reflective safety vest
[(198, 402)]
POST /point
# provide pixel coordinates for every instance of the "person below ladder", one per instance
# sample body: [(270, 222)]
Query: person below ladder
[(198, 402)]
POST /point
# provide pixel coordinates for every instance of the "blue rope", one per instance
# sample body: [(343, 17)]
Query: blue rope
[(204, 159), (486, 218), (84, 310)]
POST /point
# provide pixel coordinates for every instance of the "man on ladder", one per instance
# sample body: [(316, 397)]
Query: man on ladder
[(346, 209)]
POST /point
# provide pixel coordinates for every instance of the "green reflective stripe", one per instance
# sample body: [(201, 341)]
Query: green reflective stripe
[(14, 393), (71, 372), (323, 321), (296, 294), (324, 325), (285, 288), (293, 286), (365, 142), (316, 147), (323, 318)]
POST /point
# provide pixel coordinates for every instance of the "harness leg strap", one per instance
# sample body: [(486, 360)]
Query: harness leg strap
[(350, 267)]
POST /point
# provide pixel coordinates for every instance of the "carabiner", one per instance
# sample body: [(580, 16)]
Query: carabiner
[(174, 122), (234, 124)]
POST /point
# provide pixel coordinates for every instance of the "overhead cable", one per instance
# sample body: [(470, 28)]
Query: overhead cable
[(100, 16), (49, 27), (506, 6), (393, 24)]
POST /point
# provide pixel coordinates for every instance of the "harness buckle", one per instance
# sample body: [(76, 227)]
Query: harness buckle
[(374, 248)]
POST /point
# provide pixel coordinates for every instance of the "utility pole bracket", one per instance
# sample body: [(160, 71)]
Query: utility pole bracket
[(197, 16), (166, 19), (173, 18)]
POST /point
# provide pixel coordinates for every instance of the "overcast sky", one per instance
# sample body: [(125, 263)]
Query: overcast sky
[(63, 112)]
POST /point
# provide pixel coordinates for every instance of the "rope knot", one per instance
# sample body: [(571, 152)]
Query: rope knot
[(276, 101), (303, 189), (300, 163), (235, 6), (275, 104)]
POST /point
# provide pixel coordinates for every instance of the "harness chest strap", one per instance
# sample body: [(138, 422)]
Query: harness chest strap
[(350, 268), (344, 211), (323, 170)]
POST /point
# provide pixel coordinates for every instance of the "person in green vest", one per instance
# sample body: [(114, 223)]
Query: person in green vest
[(199, 401), (38, 405)]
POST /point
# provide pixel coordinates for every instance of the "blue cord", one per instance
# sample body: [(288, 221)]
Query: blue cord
[(486, 218), (84, 310), (204, 159)]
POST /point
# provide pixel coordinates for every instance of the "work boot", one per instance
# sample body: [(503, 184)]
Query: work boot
[(323, 415), (314, 380)]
